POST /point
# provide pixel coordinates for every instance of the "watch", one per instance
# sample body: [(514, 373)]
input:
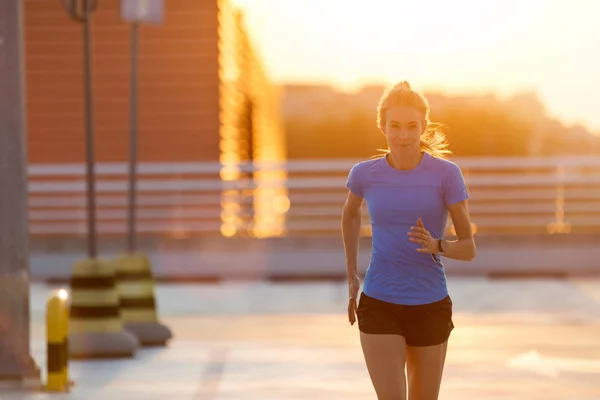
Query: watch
[(440, 246)]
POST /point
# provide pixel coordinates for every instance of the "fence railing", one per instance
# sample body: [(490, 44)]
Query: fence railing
[(510, 195)]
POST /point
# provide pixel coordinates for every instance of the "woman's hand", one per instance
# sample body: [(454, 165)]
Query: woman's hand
[(353, 288), (418, 234)]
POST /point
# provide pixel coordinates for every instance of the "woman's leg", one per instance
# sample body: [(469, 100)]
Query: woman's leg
[(425, 365), (428, 329), (385, 356)]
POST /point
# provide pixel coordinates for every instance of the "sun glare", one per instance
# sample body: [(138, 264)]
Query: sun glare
[(460, 45), (386, 39)]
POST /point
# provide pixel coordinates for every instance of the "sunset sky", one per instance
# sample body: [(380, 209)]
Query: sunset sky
[(551, 46)]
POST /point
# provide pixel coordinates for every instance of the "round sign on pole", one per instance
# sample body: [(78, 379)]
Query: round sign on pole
[(142, 11)]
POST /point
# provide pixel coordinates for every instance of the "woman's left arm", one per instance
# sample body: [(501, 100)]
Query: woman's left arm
[(464, 248)]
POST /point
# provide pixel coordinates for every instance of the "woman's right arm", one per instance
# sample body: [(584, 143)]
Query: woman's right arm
[(351, 223)]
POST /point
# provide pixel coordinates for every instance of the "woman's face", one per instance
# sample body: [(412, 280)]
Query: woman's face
[(403, 128)]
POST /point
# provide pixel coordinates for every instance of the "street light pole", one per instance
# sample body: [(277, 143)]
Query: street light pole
[(136, 12), (89, 129), (133, 138), (83, 14), (149, 331)]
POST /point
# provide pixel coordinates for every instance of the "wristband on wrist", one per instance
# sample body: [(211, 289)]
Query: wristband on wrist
[(440, 241)]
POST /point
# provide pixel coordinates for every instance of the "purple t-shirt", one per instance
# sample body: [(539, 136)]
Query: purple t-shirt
[(397, 272)]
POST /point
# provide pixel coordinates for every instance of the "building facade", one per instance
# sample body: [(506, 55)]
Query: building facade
[(203, 97)]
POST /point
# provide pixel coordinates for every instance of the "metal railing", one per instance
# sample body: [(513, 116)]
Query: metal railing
[(511, 195)]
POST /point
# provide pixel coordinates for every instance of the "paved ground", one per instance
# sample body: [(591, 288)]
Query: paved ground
[(513, 340)]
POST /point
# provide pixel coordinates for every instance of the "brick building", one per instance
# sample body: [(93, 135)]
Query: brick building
[(203, 93)]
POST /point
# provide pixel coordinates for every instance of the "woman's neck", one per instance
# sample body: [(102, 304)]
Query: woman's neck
[(404, 161)]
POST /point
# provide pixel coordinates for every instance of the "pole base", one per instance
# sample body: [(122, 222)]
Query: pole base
[(29, 378), (102, 345), (149, 334)]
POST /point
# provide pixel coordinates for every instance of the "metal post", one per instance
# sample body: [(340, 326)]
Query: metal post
[(136, 12), (89, 128), (16, 363), (133, 137)]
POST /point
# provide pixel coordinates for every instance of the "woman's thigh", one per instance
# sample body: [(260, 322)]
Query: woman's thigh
[(425, 365), (384, 347), (385, 357), (427, 329)]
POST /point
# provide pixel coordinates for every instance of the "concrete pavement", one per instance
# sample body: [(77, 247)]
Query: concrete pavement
[(532, 339)]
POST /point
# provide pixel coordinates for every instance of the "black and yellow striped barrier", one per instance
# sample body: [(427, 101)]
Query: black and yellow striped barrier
[(57, 342), (135, 284), (96, 328)]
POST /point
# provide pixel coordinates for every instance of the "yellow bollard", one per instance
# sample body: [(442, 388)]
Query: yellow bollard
[(57, 331), (135, 284), (95, 324)]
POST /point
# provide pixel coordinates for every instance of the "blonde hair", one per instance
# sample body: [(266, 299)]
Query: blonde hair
[(433, 140)]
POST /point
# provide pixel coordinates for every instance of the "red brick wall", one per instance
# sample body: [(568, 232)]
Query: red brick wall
[(179, 88)]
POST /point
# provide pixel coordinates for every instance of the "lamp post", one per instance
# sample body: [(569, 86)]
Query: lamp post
[(149, 330), (81, 10), (136, 12)]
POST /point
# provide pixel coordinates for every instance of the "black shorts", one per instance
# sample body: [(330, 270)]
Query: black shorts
[(421, 325)]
